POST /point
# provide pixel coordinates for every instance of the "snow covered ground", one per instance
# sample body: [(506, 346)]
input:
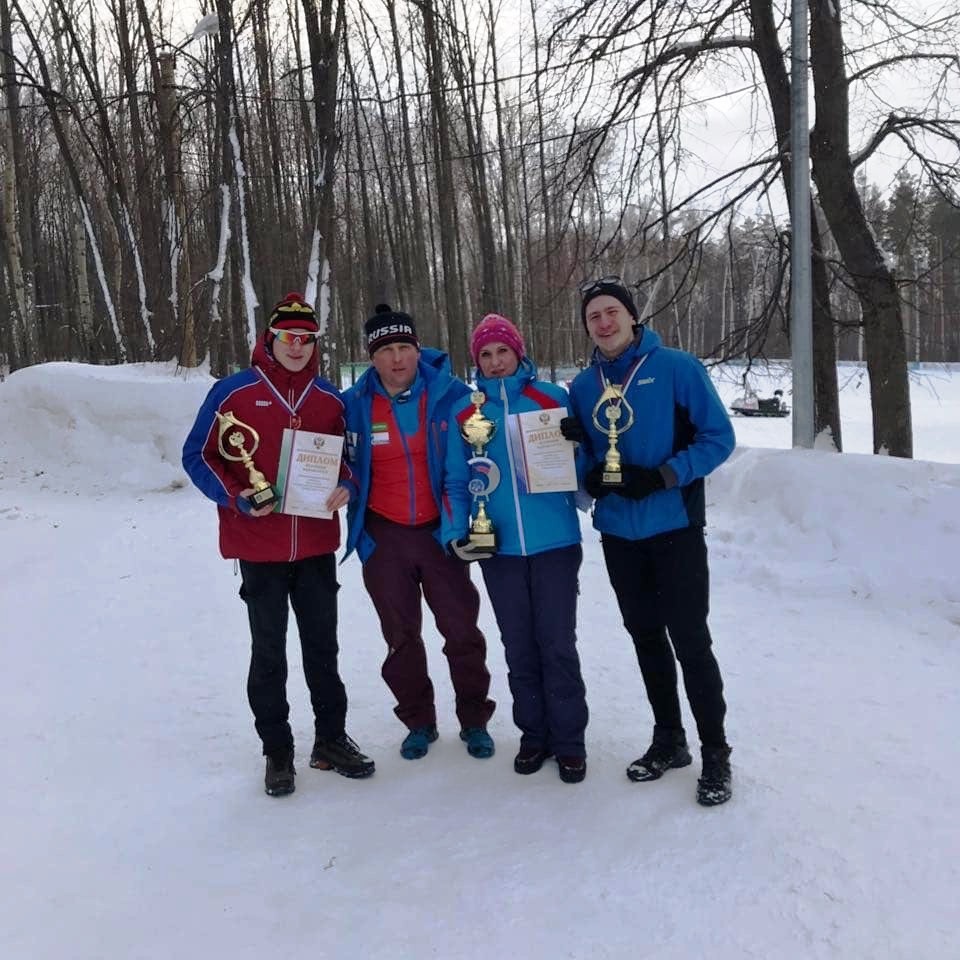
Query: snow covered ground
[(134, 820)]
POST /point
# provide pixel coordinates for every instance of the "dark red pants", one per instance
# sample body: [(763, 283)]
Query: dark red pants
[(409, 565)]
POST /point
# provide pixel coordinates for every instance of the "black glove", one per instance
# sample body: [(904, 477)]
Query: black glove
[(467, 551), (593, 483), (640, 482), (572, 430)]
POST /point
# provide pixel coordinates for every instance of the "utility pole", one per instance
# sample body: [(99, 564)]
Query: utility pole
[(801, 292)]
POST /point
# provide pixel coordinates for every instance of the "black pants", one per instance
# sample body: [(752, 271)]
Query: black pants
[(662, 586), (310, 587)]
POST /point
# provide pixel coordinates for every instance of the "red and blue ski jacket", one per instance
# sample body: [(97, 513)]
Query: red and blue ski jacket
[(269, 398), (442, 390)]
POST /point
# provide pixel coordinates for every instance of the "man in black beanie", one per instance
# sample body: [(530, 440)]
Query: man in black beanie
[(398, 416), (388, 326), (607, 287), (650, 511)]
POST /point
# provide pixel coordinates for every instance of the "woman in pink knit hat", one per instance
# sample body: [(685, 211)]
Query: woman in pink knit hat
[(531, 574)]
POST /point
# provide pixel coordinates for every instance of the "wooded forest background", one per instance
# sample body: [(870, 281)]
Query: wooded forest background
[(164, 183)]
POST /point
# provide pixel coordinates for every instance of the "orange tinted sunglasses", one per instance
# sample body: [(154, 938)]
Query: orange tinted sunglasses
[(291, 336)]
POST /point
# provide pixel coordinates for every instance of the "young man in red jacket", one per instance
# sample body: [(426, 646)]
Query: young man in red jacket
[(283, 558)]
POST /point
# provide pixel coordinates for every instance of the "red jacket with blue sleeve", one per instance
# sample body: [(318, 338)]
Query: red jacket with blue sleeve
[(269, 398)]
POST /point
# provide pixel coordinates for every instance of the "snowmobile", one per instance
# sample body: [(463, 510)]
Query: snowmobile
[(750, 405)]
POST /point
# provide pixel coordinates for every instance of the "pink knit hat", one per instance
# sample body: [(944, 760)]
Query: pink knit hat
[(496, 329)]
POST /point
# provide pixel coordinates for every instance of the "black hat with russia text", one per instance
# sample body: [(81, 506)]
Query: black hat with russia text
[(389, 326)]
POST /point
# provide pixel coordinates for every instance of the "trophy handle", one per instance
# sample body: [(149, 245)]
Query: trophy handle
[(613, 396), (613, 404), (233, 430)]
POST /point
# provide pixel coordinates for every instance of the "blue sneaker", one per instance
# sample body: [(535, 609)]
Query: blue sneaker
[(417, 742), (479, 742)]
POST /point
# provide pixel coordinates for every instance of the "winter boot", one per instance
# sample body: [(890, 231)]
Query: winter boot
[(479, 742), (341, 755), (668, 751), (530, 759), (572, 769), (417, 742), (714, 787), (278, 781)]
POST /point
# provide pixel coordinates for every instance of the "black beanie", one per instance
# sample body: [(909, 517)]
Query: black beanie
[(389, 326), (609, 288)]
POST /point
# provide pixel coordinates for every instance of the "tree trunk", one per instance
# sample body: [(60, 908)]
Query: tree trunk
[(324, 30), (177, 211), (17, 211), (825, 392), (443, 163), (873, 280)]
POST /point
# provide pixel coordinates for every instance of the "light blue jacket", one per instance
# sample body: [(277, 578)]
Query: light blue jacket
[(525, 523), (680, 426)]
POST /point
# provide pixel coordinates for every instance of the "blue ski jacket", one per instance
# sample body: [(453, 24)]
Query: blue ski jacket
[(442, 390), (680, 425), (525, 523)]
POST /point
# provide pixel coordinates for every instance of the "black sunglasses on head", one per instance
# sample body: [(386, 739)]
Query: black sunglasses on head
[(589, 286)]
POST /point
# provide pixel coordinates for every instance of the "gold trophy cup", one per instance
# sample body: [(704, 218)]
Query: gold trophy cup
[(232, 430), (613, 405), (478, 431)]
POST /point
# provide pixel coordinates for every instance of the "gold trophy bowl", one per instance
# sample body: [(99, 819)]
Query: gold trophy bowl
[(234, 432), (613, 406), (478, 431)]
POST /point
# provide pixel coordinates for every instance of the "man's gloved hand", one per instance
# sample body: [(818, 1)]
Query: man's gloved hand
[(469, 552), (640, 482), (593, 483), (572, 430)]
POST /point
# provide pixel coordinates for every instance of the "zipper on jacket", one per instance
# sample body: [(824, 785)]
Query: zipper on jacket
[(513, 473)]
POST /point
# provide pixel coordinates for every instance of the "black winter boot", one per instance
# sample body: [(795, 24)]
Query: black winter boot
[(714, 787), (342, 755), (668, 751), (572, 769), (278, 781), (530, 759)]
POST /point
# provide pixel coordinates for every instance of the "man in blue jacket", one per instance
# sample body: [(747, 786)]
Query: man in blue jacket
[(651, 522), (398, 422)]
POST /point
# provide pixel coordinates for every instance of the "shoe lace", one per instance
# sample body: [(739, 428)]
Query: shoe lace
[(347, 745)]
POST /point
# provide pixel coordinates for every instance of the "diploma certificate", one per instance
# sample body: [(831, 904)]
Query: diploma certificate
[(543, 460), (308, 473)]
